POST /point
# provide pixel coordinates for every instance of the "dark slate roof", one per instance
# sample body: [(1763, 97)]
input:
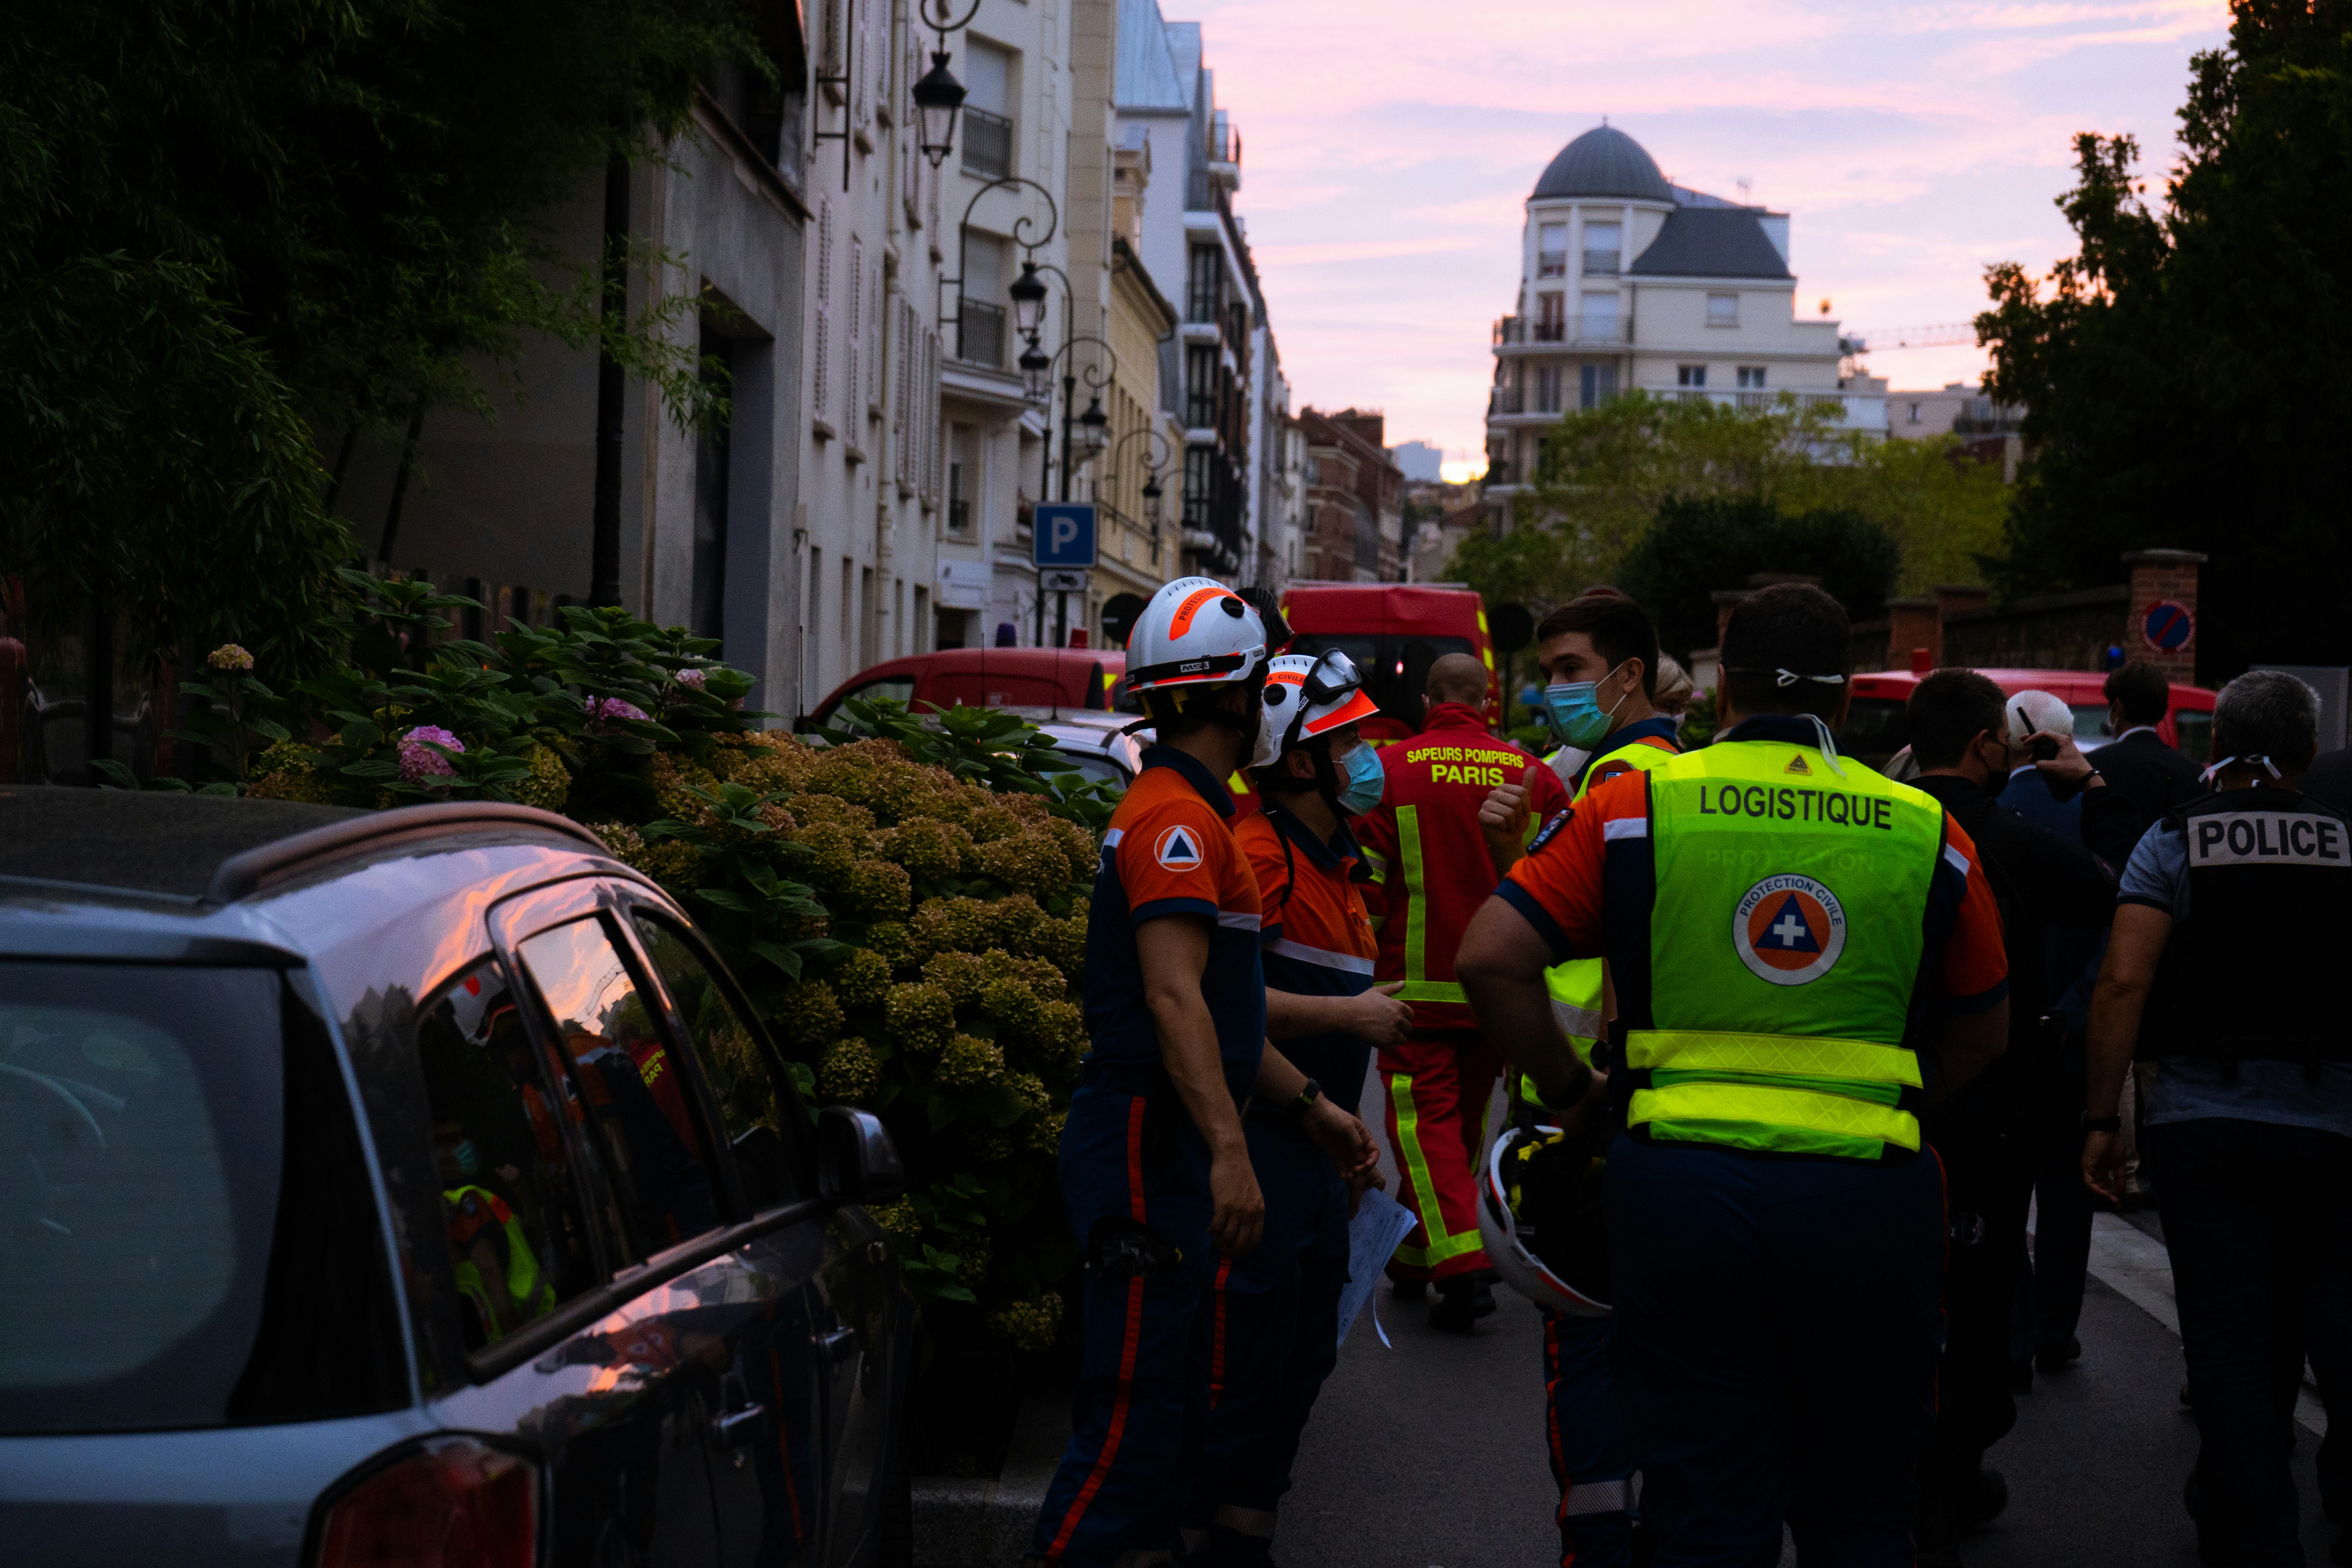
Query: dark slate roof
[(1711, 242), (1604, 161), (137, 840)]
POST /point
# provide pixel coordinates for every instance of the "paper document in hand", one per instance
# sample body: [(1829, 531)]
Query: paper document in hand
[(1381, 1224)]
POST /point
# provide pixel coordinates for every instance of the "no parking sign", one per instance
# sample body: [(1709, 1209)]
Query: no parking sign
[(2166, 626)]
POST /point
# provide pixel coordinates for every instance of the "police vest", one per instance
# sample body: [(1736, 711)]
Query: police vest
[(2254, 971), (1767, 985), (1576, 985)]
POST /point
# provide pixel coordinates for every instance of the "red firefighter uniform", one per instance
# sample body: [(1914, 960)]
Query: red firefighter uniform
[(1430, 874)]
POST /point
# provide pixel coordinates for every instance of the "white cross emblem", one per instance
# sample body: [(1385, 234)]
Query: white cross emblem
[(1789, 929)]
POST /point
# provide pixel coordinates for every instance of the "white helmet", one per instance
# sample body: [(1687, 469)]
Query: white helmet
[(1310, 695), (1553, 1181), (1194, 632)]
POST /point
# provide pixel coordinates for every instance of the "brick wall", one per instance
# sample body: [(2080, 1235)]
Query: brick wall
[(2160, 576)]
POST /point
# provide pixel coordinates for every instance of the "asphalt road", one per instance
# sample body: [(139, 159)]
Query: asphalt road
[(1430, 1454)]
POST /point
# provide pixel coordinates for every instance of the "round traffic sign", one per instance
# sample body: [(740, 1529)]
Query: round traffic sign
[(2168, 627)]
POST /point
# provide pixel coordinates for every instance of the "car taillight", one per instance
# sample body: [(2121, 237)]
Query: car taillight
[(454, 1503)]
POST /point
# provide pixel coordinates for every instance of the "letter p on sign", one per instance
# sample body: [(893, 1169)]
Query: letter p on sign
[(1064, 535)]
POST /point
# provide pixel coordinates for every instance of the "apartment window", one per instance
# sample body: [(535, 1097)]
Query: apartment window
[(1599, 318), (1548, 379), (1206, 284), (1915, 414), (1551, 250), (1551, 318), (1752, 377), (987, 131), (713, 448), (1596, 384), (980, 338), (1723, 310), (1603, 244), (1695, 375), (1200, 386)]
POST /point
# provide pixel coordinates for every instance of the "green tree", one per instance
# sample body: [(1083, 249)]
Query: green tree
[(2181, 371), (1699, 544), (224, 226), (1605, 473)]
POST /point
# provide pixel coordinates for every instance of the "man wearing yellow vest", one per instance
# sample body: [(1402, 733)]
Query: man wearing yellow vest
[(1802, 952), (1600, 656), (1430, 874)]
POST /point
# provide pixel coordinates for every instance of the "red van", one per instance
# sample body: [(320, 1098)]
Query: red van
[(1395, 632), (987, 678), (1876, 726)]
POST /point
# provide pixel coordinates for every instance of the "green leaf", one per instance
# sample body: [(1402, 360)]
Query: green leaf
[(116, 774)]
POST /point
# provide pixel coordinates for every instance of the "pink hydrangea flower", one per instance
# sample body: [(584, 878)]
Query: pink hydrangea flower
[(419, 761), (228, 656), (693, 677), (601, 709)]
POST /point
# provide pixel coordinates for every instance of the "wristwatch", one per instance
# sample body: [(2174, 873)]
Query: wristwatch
[(2103, 1123), (1307, 1096)]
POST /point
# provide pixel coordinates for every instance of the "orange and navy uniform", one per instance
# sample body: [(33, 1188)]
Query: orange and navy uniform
[(1134, 1168), (1274, 1313), (1432, 873), (1558, 889), (1660, 734)]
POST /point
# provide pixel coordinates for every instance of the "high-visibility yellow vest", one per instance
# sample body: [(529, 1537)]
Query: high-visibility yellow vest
[(1576, 985), (531, 1293), (1785, 940)]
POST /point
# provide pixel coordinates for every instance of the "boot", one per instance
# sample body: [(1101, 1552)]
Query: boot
[(1461, 1302)]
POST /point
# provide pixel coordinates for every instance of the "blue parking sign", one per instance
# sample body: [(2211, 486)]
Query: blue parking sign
[(1064, 534)]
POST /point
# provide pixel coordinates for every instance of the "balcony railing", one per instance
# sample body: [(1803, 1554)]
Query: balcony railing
[(1837, 403), (1601, 263), (980, 336), (1506, 400), (1594, 331), (1552, 264), (987, 144)]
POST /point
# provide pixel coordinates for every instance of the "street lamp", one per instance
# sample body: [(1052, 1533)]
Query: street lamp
[(1028, 293), (1094, 430), (1036, 371), (1151, 494), (939, 98)]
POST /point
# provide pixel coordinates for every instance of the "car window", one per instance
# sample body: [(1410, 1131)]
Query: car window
[(2090, 721), (158, 1266), (958, 689), (1093, 765), (632, 1094), (752, 1089), (1876, 728), (510, 1201), (2194, 726), (899, 688)]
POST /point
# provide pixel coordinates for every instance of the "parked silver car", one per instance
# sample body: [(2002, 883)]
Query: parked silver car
[(414, 1186)]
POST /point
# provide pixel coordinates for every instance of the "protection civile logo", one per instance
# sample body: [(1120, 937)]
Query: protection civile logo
[(1178, 850), (1789, 930)]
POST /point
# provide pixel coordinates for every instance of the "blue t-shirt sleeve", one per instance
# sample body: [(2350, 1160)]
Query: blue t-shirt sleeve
[(2157, 873)]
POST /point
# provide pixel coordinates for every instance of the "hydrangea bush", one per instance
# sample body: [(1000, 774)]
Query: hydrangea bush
[(904, 902)]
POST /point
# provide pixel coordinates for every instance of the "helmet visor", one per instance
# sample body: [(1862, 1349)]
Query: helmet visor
[(1334, 675)]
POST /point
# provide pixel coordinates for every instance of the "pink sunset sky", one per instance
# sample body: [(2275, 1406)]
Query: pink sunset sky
[(1389, 144)]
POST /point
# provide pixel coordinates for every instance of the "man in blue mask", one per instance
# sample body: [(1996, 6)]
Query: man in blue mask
[(1598, 655)]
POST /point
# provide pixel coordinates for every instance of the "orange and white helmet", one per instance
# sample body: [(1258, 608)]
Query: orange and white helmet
[(1194, 632), (1310, 695)]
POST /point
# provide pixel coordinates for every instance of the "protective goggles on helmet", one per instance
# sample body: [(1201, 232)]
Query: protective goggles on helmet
[(1334, 675)]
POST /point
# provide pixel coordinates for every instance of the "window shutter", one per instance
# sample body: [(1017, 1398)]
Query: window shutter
[(907, 348), (862, 102), (932, 445), (819, 348), (853, 340)]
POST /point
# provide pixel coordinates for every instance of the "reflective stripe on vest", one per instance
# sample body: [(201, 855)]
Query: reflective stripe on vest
[(1576, 985), (1418, 986), (1785, 944)]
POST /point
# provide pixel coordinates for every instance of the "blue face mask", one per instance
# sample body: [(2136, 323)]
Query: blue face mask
[(1576, 712), (1365, 780), (468, 1159)]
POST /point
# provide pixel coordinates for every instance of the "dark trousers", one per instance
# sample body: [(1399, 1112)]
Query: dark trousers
[(1981, 1136), (1273, 1320), (2050, 1288), (1141, 1408), (1775, 1352), (2254, 1215), (1586, 1443)]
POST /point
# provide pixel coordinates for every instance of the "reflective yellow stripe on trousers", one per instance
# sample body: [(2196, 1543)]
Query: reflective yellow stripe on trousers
[(1425, 1194), (1418, 986)]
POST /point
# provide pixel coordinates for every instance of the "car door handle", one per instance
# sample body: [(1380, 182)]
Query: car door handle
[(839, 1344), (737, 1427)]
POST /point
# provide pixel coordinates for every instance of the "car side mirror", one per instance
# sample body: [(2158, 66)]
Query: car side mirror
[(856, 1162)]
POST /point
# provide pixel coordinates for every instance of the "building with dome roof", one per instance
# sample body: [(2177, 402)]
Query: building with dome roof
[(1628, 280)]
